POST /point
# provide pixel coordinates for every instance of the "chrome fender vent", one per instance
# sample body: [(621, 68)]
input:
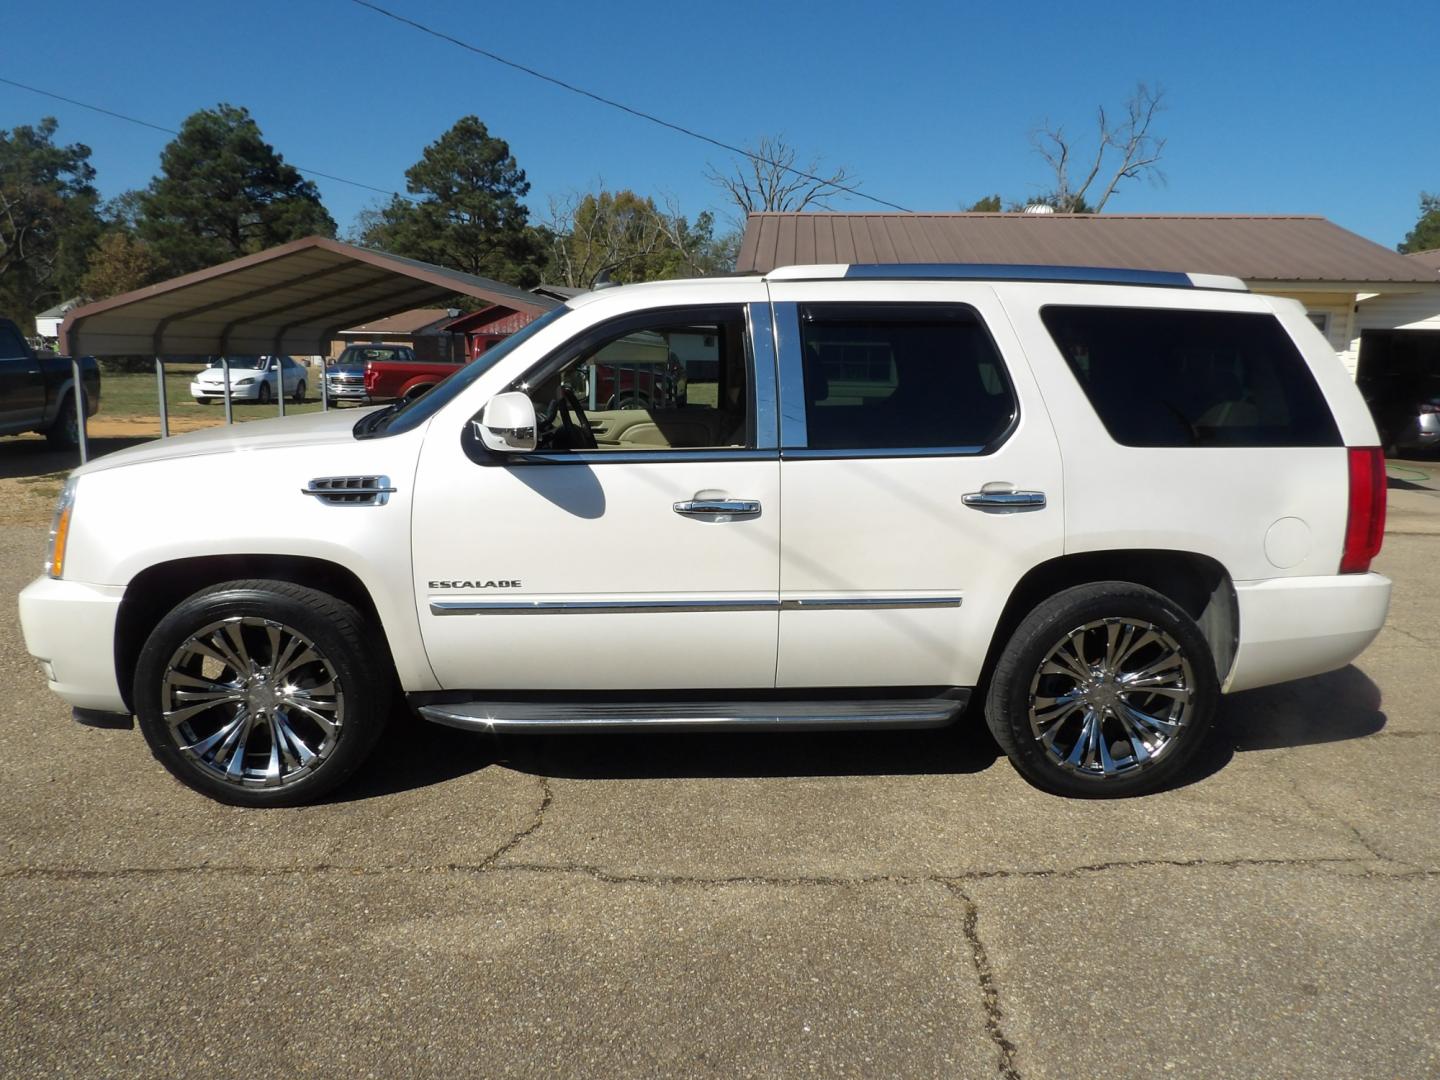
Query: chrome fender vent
[(350, 490)]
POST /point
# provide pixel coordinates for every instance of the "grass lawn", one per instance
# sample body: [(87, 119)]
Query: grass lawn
[(125, 395)]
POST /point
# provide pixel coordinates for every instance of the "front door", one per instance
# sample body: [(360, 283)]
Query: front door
[(638, 548), (22, 388), (921, 479)]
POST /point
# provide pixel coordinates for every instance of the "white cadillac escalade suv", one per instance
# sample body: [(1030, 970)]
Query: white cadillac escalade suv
[(1081, 503)]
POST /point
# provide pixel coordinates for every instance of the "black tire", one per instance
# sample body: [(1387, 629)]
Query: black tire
[(300, 393), (355, 670), (263, 395), (1084, 616), (416, 392), (64, 431)]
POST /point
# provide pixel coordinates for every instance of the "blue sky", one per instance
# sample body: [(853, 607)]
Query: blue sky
[(1274, 107)]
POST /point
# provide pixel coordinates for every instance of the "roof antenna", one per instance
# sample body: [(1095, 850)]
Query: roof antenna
[(603, 280)]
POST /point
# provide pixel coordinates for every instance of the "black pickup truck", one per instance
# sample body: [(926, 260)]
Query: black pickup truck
[(37, 390)]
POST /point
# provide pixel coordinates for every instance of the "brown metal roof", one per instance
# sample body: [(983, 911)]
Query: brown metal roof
[(1429, 258), (406, 323), (288, 299), (1255, 248)]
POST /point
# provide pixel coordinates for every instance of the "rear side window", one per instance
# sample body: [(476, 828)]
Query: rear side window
[(1192, 378), (912, 376)]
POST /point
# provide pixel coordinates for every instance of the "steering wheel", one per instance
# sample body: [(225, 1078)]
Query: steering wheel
[(578, 433)]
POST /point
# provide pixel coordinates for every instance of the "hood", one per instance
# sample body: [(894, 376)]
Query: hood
[(308, 429), (217, 375), (345, 369)]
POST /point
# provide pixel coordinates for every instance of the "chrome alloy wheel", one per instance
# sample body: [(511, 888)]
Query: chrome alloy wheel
[(1111, 697), (253, 702)]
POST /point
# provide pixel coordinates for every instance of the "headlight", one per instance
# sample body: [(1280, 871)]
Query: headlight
[(245, 382), (60, 530)]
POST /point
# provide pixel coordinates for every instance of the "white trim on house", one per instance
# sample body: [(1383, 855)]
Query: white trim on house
[(1350, 308)]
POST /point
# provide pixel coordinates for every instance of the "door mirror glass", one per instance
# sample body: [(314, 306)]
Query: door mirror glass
[(507, 424)]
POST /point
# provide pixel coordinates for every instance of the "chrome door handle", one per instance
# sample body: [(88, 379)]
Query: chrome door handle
[(716, 508), (1004, 500)]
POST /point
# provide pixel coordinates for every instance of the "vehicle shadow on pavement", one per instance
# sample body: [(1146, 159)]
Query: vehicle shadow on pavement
[(1333, 707), (414, 753), (36, 457)]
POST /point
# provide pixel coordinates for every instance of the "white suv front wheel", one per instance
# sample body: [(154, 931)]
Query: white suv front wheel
[(261, 693), (1104, 690)]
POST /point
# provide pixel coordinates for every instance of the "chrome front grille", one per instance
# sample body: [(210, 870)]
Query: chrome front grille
[(351, 490)]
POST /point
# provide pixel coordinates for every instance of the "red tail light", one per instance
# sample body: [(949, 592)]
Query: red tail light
[(1365, 528)]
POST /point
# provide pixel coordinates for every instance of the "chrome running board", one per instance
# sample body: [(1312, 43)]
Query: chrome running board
[(536, 716)]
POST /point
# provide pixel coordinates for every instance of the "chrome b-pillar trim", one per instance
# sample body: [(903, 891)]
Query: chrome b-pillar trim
[(762, 346), (792, 375)]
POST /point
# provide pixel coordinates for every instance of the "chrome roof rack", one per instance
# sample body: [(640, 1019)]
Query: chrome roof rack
[(1083, 275)]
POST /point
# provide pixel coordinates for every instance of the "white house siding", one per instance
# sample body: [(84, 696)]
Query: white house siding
[(1340, 306), (1399, 311)]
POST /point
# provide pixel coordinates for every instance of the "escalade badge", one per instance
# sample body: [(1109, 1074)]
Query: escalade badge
[(474, 584)]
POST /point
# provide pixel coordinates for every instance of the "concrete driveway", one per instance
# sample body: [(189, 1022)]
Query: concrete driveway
[(886, 905)]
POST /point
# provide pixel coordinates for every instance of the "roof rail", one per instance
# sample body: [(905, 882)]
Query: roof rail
[(1087, 275)]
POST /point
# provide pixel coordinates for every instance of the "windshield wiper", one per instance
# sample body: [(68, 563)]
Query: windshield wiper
[(370, 425)]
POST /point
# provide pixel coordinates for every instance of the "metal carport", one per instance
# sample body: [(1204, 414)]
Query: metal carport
[(286, 300)]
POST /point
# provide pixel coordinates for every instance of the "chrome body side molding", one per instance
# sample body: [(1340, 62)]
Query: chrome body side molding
[(646, 607)]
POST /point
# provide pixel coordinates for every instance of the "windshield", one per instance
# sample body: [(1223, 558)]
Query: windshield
[(242, 362), (410, 415), (357, 355)]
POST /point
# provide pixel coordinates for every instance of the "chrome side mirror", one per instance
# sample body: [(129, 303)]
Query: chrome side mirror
[(507, 423)]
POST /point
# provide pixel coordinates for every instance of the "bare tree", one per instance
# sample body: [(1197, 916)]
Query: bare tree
[(768, 179), (1126, 150)]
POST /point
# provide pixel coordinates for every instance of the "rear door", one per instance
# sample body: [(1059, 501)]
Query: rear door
[(920, 479)]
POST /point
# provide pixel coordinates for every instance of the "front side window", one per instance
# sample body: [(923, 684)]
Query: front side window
[(915, 376), (663, 380), (12, 347), (1159, 377)]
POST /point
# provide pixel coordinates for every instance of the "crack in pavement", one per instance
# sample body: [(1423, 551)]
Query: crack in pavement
[(1327, 813), (989, 988), (547, 795), (490, 865), (1413, 637)]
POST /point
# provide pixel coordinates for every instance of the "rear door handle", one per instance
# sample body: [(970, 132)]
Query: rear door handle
[(1004, 500), (718, 508)]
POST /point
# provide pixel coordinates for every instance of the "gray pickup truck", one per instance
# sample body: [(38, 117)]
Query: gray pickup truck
[(37, 390)]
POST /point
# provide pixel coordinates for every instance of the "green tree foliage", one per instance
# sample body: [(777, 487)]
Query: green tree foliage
[(223, 192), (467, 213), (630, 238), (48, 218), (990, 204), (1426, 234), (120, 263)]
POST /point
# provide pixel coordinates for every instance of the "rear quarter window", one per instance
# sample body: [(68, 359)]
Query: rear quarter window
[(1166, 377)]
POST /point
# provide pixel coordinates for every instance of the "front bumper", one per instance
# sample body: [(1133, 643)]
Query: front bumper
[(216, 392), (1291, 628), (69, 626)]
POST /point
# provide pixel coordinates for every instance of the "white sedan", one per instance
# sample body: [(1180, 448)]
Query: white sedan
[(252, 378)]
